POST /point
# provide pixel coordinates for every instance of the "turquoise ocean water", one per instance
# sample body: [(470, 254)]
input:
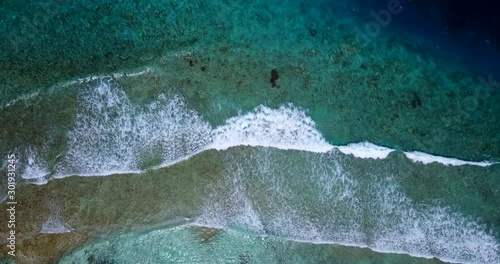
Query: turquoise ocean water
[(149, 132)]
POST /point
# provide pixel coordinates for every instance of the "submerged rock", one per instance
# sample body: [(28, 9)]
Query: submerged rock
[(416, 102), (274, 77)]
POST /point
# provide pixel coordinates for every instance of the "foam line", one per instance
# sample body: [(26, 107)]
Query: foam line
[(316, 242), (116, 76), (36, 169), (365, 150), (425, 158), (54, 225), (21, 98), (102, 174), (285, 128), (112, 136), (397, 223)]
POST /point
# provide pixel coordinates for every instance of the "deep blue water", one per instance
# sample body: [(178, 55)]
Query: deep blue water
[(466, 31)]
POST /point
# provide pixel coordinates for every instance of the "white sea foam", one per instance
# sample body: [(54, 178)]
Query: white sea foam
[(374, 211), (428, 158), (112, 136), (428, 231), (287, 127), (54, 225), (365, 150), (35, 167), (117, 75), (21, 98)]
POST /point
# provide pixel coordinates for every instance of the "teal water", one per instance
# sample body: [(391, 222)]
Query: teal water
[(390, 147), (191, 245), (342, 83)]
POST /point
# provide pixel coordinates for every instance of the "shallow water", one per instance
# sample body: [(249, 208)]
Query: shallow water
[(205, 245), (147, 124)]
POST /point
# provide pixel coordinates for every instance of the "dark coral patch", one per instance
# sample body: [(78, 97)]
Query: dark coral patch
[(274, 77)]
